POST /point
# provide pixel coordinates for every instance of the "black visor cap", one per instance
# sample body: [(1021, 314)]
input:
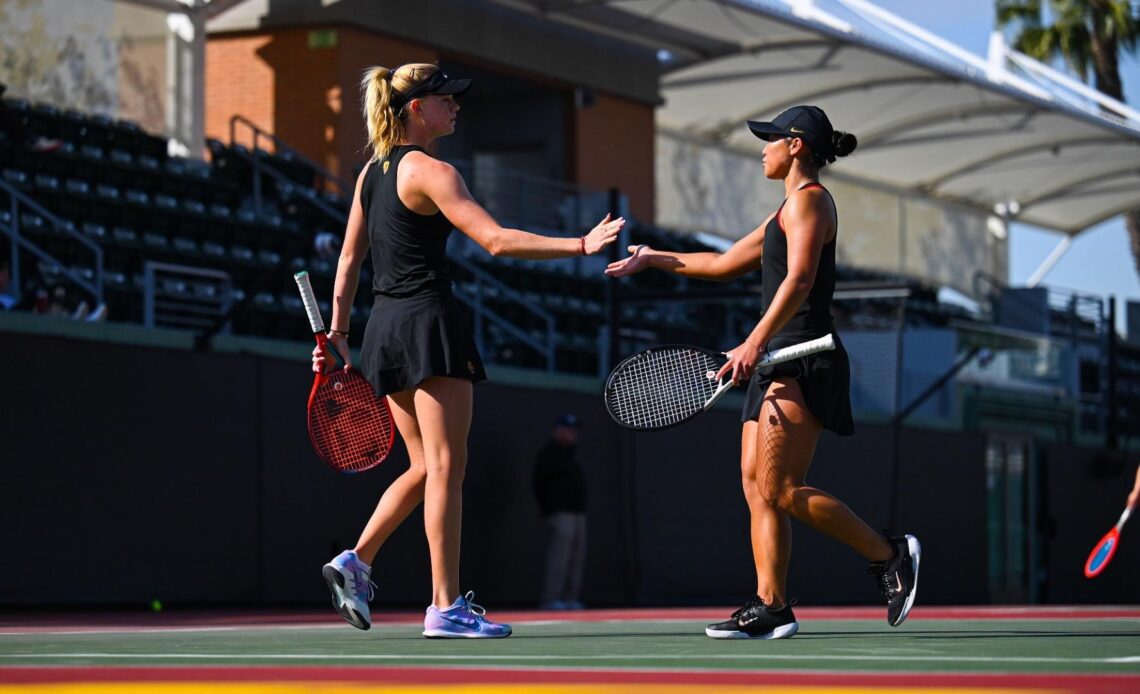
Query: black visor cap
[(438, 84)]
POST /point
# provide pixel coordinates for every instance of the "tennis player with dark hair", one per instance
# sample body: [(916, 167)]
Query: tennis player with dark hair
[(787, 405), (418, 350)]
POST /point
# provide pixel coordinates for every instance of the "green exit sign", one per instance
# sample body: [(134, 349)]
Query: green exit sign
[(322, 38)]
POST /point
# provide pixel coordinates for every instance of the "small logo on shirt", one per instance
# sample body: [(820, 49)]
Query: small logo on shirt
[(386, 165), (471, 367)]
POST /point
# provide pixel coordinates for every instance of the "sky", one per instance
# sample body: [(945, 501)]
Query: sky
[(1100, 261)]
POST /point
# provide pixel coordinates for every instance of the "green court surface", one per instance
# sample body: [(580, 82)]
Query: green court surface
[(1040, 645)]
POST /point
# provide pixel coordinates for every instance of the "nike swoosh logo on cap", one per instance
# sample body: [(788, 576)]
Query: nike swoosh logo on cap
[(795, 130)]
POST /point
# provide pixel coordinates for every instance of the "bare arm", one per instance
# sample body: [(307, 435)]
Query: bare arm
[(442, 185), (352, 252), (743, 257), (1134, 495), (807, 222)]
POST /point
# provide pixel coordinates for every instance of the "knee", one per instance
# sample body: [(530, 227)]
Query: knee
[(783, 497), (449, 465), (774, 494), (416, 470)]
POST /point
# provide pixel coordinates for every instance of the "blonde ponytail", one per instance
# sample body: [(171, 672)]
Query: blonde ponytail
[(385, 125)]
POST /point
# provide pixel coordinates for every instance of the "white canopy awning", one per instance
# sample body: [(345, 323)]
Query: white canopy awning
[(1006, 135)]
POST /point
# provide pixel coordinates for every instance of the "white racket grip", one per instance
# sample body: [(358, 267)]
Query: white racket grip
[(1123, 517), (783, 354), (312, 310), (803, 349)]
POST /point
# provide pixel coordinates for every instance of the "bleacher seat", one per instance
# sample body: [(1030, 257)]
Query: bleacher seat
[(121, 190)]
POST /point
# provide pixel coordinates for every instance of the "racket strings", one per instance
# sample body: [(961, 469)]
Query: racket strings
[(661, 387), (349, 428)]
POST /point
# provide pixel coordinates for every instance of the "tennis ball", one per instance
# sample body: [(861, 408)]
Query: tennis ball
[(156, 605)]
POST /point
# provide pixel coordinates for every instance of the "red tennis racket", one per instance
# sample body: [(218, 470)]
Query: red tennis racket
[(349, 426), (1102, 553)]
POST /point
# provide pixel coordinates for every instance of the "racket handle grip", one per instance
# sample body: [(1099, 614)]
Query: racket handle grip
[(309, 300), (1124, 517), (803, 349)]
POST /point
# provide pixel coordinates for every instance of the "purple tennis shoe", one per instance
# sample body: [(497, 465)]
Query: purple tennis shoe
[(350, 581), (463, 620)]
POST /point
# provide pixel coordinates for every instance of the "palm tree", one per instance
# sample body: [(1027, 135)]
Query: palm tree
[(1089, 36)]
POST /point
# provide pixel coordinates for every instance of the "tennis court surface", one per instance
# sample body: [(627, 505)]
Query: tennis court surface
[(1039, 649)]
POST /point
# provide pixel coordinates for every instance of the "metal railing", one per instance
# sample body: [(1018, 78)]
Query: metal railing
[(256, 154), (181, 296), (483, 285), (532, 202), (17, 200), (1061, 312)]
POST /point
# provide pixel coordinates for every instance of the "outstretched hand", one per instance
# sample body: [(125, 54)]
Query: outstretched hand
[(605, 233), (637, 261)]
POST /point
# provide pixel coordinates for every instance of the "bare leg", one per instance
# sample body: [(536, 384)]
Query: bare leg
[(770, 527), (443, 410), (786, 435), (407, 491)]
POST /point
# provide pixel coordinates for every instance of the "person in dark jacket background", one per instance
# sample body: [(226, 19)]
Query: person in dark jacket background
[(560, 486)]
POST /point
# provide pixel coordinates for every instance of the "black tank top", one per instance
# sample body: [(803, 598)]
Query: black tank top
[(409, 250), (813, 318)]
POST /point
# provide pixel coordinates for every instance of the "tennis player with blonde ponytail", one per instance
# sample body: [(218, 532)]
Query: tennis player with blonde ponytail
[(417, 349)]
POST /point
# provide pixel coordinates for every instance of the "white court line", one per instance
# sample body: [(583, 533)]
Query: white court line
[(181, 630), (94, 631), (539, 658)]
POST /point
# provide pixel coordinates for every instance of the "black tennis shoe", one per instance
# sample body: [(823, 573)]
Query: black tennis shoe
[(898, 577), (755, 620)]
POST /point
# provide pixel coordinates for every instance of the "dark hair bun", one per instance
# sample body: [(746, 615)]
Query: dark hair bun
[(843, 143)]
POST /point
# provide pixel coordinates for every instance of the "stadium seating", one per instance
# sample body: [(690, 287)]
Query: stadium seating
[(116, 185)]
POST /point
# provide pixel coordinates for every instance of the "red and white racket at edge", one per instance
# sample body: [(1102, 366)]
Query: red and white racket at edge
[(349, 426), (1104, 550)]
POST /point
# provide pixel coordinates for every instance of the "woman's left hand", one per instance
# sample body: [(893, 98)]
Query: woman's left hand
[(605, 233), (636, 261), (741, 363)]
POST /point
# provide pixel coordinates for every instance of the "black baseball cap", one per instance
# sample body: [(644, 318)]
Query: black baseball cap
[(438, 83), (808, 123)]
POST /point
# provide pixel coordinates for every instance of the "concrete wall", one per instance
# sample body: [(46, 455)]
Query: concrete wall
[(97, 56)]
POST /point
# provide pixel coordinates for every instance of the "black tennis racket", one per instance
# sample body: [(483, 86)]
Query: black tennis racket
[(662, 387)]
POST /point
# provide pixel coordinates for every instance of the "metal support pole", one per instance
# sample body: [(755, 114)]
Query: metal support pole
[(1111, 421), (1049, 262), (613, 301)]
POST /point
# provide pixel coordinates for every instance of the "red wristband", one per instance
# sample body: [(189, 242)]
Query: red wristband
[(582, 245)]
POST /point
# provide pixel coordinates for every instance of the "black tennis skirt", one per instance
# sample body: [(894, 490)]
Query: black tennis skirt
[(410, 339), (824, 378)]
